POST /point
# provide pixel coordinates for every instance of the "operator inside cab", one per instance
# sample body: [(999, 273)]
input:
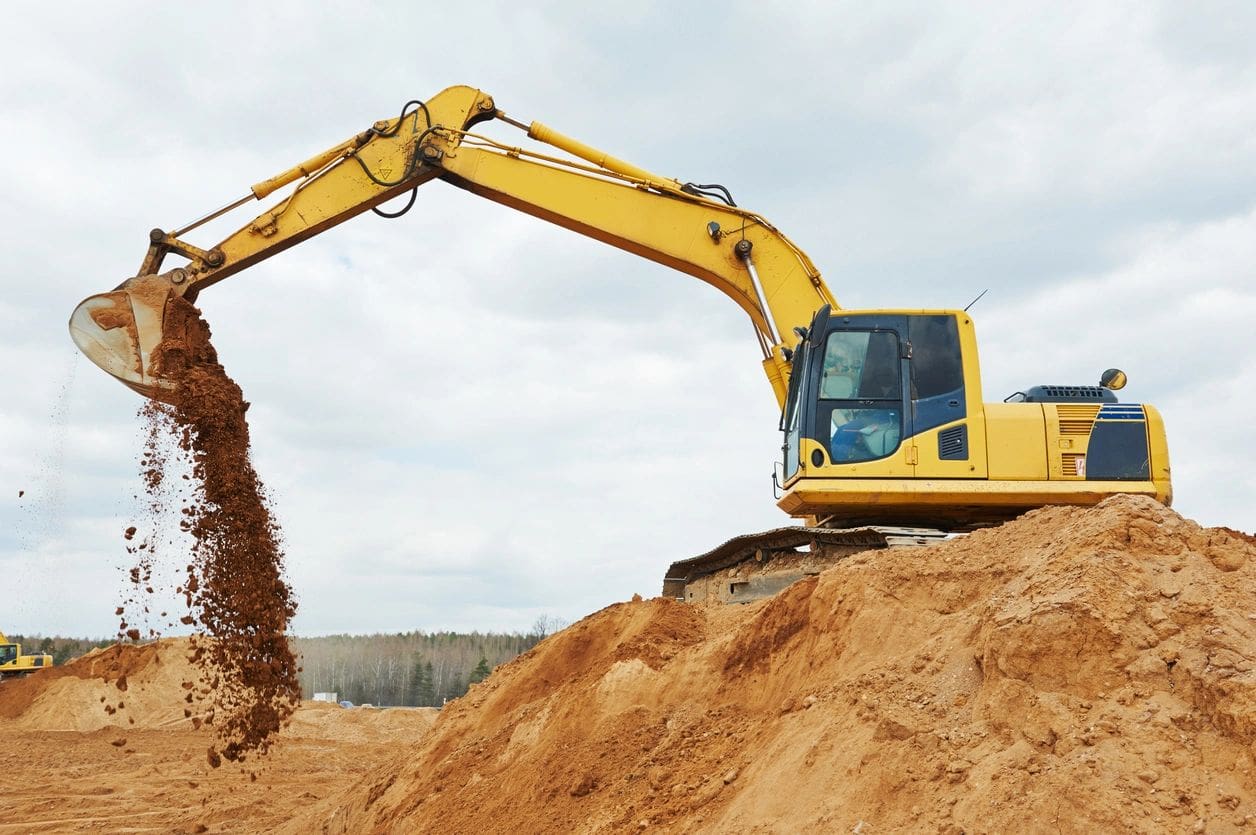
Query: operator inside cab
[(861, 368)]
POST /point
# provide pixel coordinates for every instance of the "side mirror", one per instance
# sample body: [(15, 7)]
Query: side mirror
[(1113, 378)]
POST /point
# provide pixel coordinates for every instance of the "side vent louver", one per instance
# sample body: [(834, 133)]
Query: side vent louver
[(953, 443), (1076, 420)]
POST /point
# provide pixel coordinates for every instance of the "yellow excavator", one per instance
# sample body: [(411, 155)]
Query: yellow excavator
[(886, 438), (14, 664)]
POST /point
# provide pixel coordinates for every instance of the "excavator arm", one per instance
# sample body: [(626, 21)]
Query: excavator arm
[(679, 225)]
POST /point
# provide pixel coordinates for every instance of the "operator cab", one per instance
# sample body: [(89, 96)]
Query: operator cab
[(884, 425), (863, 383)]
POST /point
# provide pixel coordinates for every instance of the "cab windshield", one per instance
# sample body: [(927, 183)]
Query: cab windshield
[(861, 394)]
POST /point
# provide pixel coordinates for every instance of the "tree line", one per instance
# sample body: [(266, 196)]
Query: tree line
[(413, 669)]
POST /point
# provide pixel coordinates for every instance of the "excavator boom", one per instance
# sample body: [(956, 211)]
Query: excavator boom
[(596, 194)]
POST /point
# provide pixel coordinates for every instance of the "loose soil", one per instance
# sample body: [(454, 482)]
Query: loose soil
[(245, 685), (1077, 670)]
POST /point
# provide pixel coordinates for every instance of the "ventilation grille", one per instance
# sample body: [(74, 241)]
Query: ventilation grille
[(1073, 463), (953, 443), (1076, 420), (1074, 392)]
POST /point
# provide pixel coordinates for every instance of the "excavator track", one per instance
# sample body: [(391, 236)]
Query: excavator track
[(753, 566)]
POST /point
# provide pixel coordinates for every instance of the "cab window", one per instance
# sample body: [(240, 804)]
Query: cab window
[(864, 434), (937, 372), (936, 366), (861, 365), (861, 395)]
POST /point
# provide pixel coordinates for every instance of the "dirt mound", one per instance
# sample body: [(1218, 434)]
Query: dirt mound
[(321, 720), (121, 685), (1075, 670)]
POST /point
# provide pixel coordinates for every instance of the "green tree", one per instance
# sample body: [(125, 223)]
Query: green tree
[(481, 670), (423, 693), (65, 652)]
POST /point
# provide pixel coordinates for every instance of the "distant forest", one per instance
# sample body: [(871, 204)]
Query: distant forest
[(413, 669), (404, 668)]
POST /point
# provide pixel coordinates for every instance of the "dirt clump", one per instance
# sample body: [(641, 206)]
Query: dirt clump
[(1076, 670), (233, 585)]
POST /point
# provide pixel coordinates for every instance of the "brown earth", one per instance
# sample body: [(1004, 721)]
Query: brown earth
[(245, 684), (1078, 670)]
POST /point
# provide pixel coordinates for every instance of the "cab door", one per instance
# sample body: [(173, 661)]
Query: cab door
[(861, 415)]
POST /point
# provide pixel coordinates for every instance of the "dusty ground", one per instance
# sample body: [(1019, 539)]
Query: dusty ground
[(159, 781), (1074, 671), (68, 765)]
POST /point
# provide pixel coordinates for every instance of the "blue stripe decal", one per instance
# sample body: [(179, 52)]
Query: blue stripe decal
[(1122, 412)]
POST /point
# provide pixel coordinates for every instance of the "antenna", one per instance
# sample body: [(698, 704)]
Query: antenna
[(974, 301)]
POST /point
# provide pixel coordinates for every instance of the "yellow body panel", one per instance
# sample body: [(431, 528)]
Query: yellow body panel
[(1069, 425), (890, 498), (1016, 441), (1158, 443), (929, 465)]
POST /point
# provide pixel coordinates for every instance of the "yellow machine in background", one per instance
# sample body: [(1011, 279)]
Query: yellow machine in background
[(13, 663), (882, 411)]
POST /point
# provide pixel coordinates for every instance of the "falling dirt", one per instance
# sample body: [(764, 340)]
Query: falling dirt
[(233, 584)]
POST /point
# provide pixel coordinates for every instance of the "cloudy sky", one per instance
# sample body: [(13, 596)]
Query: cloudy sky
[(468, 418)]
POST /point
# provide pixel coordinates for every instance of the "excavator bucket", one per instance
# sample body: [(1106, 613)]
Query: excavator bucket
[(121, 332)]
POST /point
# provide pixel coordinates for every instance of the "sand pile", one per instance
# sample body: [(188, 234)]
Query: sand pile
[(122, 685), (323, 720), (1077, 670)]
